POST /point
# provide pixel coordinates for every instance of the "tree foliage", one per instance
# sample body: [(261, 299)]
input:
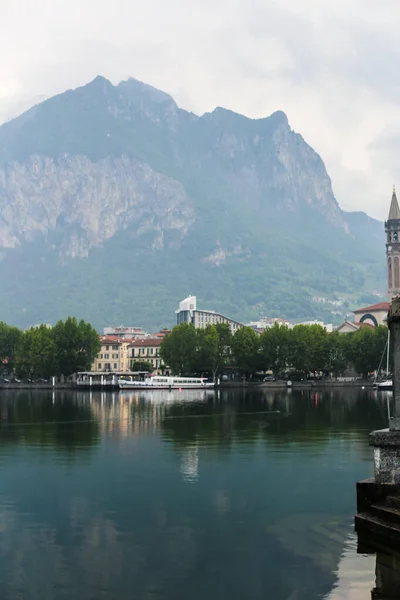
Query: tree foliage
[(67, 348), (142, 365), (9, 339), (188, 351), (246, 349), (304, 349)]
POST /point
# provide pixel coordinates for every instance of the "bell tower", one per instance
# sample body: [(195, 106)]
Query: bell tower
[(392, 229)]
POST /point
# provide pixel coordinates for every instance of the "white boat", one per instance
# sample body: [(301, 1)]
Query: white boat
[(387, 384), (162, 382)]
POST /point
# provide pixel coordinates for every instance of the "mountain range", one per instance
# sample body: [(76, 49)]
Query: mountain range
[(115, 204)]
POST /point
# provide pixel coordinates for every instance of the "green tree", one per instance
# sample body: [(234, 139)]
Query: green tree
[(213, 348), (337, 353), (366, 347), (309, 347), (36, 353), (76, 344), (245, 349), (142, 365), (275, 348), (9, 339), (178, 349)]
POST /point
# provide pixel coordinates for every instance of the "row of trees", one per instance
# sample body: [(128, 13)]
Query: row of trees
[(304, 349), (68, 347)]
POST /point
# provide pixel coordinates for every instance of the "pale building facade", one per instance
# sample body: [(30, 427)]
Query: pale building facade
[(113, 356), (146, 350), (375, 314), (188, 313)]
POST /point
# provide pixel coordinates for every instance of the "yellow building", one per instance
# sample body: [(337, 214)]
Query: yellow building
[(113, 356), (146, 350)]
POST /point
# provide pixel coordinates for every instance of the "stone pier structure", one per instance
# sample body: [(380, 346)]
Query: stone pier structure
[(378, 499)]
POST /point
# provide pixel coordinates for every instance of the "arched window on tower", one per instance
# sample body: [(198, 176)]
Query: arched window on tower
[(395, 236), (396, 272), (390, 274)]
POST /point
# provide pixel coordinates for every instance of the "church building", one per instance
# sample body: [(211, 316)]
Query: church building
[(372, 316), (392, 228)]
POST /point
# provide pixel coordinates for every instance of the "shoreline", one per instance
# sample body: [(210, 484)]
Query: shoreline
[(260, 385)]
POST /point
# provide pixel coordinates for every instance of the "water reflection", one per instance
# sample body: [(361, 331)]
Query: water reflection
[(387, 567), (184, 495), (38, 420)]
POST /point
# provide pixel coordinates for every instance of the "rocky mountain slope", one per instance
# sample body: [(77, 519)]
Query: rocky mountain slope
[(115, 203)]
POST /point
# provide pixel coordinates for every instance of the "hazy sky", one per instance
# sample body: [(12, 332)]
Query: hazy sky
[(332, 66)]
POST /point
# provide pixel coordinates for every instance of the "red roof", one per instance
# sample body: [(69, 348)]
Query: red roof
[(380, 306), (365, 325), (151, 342)]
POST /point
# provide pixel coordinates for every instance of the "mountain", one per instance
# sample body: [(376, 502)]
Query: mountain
[(115, 204)]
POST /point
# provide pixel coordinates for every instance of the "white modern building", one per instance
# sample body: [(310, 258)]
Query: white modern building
[(189, 313)]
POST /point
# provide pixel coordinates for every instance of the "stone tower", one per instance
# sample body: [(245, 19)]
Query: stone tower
[(392, 228)]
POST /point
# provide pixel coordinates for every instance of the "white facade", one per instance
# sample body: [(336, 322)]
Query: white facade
[(327, 326), (125, 332), (188, 313), (268, 323)]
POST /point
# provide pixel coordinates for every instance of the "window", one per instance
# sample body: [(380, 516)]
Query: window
[(151, 350), (107, 347), (101, 356), (115, 365), (115, 347), (395, 236), (107, 355), (99, 366)]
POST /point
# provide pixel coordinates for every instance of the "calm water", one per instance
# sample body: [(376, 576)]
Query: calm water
[(180, 496)]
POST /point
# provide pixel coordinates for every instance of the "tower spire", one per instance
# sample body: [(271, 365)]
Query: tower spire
[(394, 212)]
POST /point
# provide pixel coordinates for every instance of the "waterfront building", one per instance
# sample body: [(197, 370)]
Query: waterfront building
[(146, 350), (113, 356), (118, 354), (189, 313)]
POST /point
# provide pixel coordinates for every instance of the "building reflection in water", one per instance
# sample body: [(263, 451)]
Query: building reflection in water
[(129, 412), (190, 464)]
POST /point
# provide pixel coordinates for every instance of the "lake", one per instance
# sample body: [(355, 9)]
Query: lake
[(188, 495)]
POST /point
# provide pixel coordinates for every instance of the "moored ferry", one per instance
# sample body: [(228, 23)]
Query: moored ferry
[(162, 382)]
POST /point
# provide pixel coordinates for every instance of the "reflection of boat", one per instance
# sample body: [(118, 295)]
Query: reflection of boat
[(166, 396), (165, 383), (385, 385)]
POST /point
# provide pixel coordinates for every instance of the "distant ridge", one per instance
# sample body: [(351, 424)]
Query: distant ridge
[(114, 201)]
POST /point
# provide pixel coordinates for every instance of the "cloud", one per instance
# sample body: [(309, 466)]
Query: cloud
[(331, 66)]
